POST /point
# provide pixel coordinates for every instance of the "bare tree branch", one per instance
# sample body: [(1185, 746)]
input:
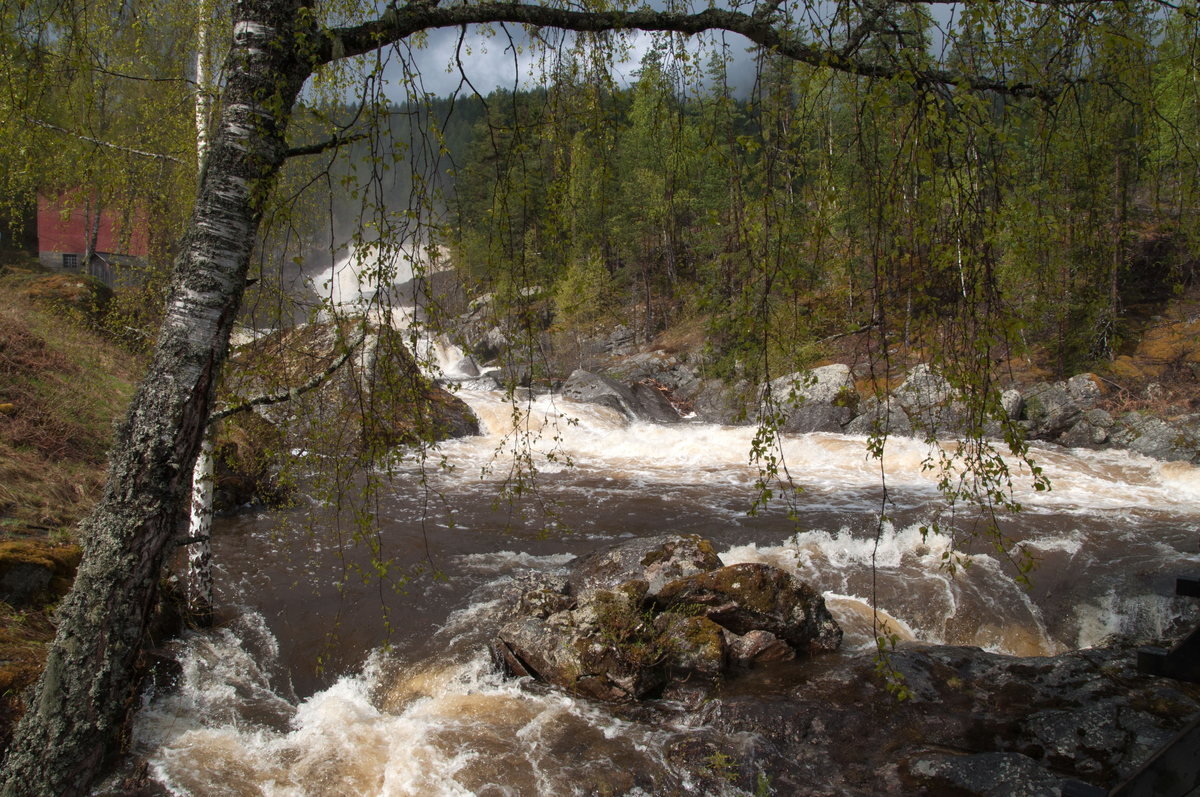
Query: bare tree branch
[(399, 22), (268, 399), (98, 142), (323, 146)]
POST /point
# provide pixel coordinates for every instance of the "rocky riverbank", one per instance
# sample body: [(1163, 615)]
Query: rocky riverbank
[(1085, 411), (750, 667)]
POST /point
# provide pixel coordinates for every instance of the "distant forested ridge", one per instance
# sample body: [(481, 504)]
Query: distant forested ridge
[(818, 203)]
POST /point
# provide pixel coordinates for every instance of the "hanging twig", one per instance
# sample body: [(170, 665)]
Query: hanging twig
[(291, 393)]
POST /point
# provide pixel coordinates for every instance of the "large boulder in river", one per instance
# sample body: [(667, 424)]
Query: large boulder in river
[(659, 616), (757, 597), (934, 407), (881, 416), (1050, 410), (376, 399), (655, 560), (637, 401), (821, 400)]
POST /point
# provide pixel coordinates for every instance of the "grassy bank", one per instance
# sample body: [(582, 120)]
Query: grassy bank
[(63, 383)]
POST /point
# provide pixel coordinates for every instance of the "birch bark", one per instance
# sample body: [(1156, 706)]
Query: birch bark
[(199, 574)]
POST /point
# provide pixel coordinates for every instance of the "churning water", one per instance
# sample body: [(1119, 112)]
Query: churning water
[(420, 711)]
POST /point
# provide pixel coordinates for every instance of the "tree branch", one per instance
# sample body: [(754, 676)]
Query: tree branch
[(98, 142), (400, 22), (323, 146), (291, 393)]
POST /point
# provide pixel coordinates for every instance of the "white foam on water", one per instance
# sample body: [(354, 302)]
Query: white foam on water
[(415, 729), (855, 616), (1143, 617), (597, 442), (975, 603), (1181, 478), (354, 280)]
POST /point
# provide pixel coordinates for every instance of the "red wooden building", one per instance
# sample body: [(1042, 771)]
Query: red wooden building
[(63, 228)]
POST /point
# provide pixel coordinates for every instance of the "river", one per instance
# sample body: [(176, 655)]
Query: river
[(303, 690)]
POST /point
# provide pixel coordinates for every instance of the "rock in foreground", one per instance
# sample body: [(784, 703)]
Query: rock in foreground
[(659, 617), (977, 723)]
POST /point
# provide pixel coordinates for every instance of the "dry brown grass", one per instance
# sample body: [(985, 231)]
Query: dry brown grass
[(61, 387), (62, 384)]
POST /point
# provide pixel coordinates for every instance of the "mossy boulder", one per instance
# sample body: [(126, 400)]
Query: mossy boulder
[(655, 560), (658, 616), (33, 572), (758, 597), (378, 399)]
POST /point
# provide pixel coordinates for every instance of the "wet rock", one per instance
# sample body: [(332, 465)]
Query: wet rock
[(654, 560), (758, 647), (657, 617), (696, 644), (821, 400), (986, 774), (1050, 410), (933, 406), (637, 402), (716, 402), (1154, 437), (604, 649), (881, 417), (490, 345), (1022, 725), (757, 597)]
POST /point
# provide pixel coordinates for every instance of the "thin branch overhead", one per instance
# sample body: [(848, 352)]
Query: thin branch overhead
[(291, 393), (108, 144), (323, 146), (399, 22)]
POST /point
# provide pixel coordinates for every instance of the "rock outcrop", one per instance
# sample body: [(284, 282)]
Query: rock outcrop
[(976, 723), (658, 617), (376, 400), (637, 401), (821, 400)]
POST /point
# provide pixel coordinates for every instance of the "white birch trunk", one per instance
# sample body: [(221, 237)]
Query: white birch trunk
[(77, 712), (202, 97), (199, 575)]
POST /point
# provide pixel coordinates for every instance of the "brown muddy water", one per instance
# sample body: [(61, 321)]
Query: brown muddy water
[(303, 691)]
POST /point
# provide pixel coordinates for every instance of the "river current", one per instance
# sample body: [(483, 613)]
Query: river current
[(304, 690)]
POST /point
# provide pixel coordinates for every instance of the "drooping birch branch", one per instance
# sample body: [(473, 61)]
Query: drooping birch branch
[(118, 147), (323, 146), (290, 394)]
